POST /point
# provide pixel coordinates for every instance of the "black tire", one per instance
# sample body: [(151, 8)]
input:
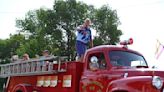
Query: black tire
[(19, 91)]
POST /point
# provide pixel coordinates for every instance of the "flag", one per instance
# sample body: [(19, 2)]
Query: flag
[(159, 49)]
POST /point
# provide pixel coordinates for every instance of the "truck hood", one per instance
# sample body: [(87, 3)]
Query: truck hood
[(140, 72)]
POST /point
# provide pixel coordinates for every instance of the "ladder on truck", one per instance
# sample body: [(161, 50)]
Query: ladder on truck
[(33, 67)]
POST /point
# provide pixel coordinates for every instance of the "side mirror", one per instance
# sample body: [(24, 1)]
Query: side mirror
[(94, 59), (93, 63)]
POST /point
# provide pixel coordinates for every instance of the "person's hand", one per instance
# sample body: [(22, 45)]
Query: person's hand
[(91, 43), (84, 32)]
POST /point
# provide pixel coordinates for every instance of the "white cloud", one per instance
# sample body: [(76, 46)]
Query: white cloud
[(12, 9)]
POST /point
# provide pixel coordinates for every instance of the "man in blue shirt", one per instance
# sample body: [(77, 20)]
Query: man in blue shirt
[(84, 36)]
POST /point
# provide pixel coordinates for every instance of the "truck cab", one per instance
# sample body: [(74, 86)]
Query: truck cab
[(119, 69), (105, 68), (110, 63)]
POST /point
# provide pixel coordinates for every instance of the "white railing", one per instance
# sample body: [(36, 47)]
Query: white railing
[(32, 67)]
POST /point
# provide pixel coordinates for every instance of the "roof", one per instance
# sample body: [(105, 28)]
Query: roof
[(112, 47)]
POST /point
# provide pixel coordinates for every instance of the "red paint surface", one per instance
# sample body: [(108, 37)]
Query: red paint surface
[(108, 80)]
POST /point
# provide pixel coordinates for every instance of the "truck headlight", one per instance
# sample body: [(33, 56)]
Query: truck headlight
[(157, 82)]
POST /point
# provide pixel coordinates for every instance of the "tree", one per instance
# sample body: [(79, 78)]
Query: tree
[(2, 48), (106, 21), (70, 14), (9, 46), (40, 26), (55, 29)]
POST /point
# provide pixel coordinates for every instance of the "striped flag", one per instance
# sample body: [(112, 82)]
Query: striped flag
[(159, 49)]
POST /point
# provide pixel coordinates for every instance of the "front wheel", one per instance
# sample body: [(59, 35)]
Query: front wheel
[(22, 88)]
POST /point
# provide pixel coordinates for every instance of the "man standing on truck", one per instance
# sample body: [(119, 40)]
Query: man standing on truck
[(84, 37)]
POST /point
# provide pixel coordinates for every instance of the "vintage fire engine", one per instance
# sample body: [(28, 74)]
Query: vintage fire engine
[(106, 68)]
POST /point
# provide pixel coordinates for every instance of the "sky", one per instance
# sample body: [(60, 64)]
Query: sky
[(140, 19)]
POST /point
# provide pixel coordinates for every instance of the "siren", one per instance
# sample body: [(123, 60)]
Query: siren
[(127, 42)]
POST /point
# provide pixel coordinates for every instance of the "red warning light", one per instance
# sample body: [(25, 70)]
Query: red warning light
[(130, 41), (127, 42)]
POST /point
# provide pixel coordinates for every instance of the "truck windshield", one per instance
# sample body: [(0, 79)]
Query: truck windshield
[(124, 58)]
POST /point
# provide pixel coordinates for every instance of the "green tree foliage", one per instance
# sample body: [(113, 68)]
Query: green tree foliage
[(2, 48), (2, 81), (55, 29), (9, 46), (69, 14), (40, 28), (106, 24)]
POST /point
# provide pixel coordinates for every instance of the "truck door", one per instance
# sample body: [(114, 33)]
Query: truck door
[(93, 79)]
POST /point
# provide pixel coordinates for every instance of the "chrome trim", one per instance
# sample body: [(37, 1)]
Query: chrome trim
[(125, 75)]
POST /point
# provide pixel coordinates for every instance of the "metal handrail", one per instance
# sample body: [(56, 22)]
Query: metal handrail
[(31, 67)]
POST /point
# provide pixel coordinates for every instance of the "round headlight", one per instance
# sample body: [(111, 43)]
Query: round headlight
[(157, 82)]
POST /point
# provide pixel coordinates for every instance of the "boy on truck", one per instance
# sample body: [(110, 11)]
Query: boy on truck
[(84, 37)]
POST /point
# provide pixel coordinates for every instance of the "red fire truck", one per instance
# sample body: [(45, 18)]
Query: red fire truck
[(106, 68)]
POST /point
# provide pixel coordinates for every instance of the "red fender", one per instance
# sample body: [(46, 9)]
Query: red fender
[(23, 88)]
